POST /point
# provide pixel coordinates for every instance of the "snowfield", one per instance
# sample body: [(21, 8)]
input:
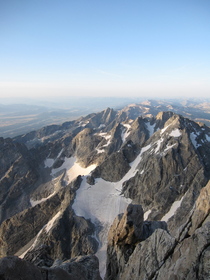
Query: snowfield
[(101, 203)]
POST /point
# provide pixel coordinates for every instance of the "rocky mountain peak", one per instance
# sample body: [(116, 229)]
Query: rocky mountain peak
[(164, 116)]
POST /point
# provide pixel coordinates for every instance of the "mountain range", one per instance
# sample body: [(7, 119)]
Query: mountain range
[(117, 194), (20, 118)]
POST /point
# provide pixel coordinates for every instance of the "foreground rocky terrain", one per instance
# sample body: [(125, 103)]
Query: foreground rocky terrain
[(128, 190)]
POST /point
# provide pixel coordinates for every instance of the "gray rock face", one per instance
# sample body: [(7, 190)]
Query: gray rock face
[(139, 133), (188, 256), (148, 257), (17, 176), (17, 231), (14, 268), (84, 145), (83, 268), (58, 233), (180, 226), (113, 168), (161, 256)]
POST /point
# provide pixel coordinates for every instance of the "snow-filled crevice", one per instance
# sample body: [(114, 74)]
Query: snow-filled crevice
[(125, 132), (146, 214), (164, 129), (150, 128), (35, 202), (172, 210)]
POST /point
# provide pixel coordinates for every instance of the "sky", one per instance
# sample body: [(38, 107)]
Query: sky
[(121, 48)]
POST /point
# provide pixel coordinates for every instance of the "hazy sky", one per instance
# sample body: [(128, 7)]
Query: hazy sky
[(105, 48)]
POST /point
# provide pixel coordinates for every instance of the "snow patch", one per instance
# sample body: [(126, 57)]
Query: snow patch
[(93, 202), (175, 133), (100, 151), (101, 126), (49, 162), (134, 164), (107, 144), (146, 214), (172, 210), (83, 124), (73, 169), (169, 147), (158, 145), (59, 153), (42, 139), (207, 138), (49, 225), (105, 135), (164, 129), (150, 128), (35, 202), (193, 137), (125, 132)]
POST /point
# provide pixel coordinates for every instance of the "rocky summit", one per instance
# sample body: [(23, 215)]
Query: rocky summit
[(113, 195)]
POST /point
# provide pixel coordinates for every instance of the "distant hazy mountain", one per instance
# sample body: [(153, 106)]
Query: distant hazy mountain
[(17, 119)]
